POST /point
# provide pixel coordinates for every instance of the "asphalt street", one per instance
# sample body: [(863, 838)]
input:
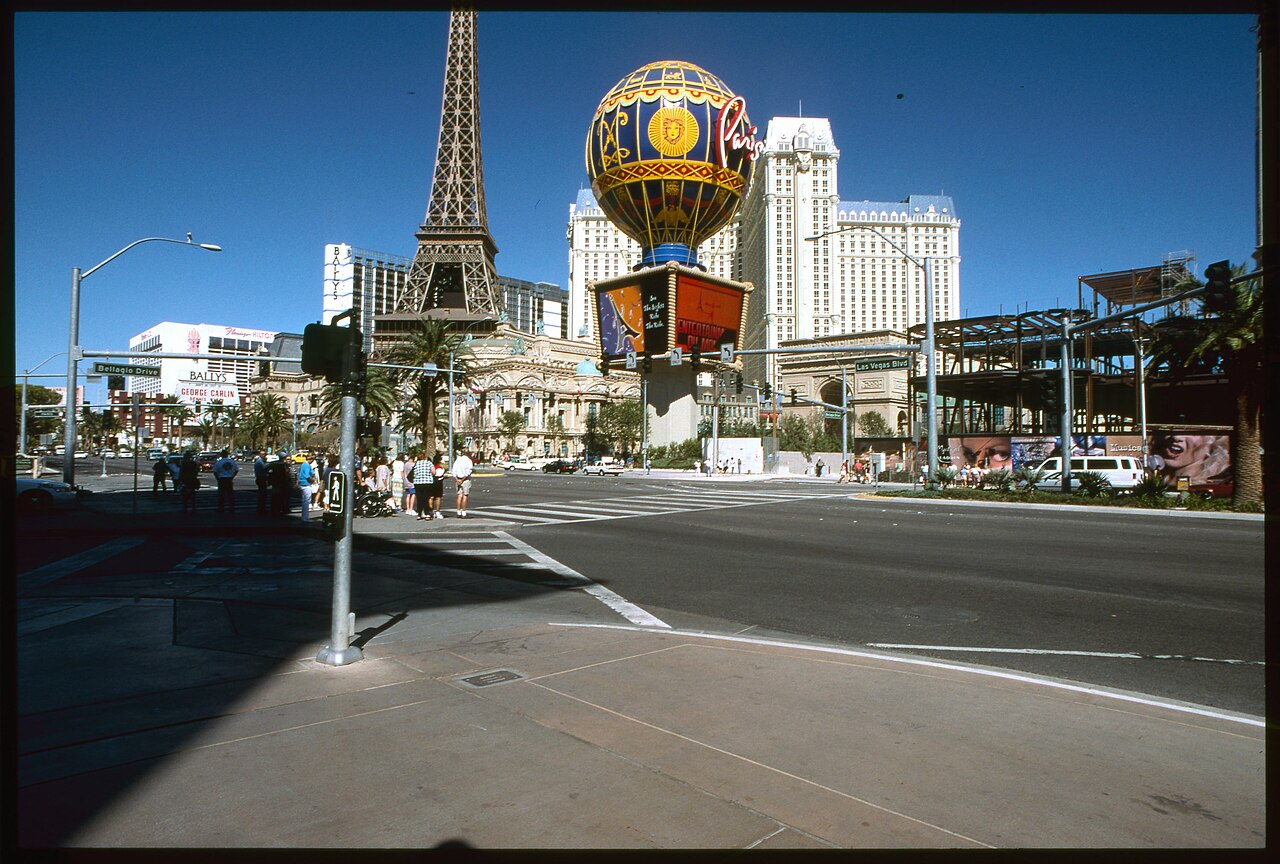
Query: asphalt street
[(1163, 603), (661, 662)]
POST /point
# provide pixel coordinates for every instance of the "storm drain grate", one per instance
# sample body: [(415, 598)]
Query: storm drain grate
[(491, 677)]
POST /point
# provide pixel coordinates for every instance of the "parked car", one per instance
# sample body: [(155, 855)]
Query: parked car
[(603, 468), (207, 459), (40, 496), (155, 453), (81, 454), (516, 463), (1122, 472), (559, 466), (1214, 489), (108, 454)]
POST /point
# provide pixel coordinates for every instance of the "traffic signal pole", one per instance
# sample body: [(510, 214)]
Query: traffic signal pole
[(340, 651)]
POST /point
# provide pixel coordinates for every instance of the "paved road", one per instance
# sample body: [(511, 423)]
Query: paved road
[(1166, 604), (615, 735)]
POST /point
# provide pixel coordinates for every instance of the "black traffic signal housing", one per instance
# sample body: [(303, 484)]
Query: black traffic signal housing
[(767, 391), (331, 351), (793, 395), (737, 382), (646, 363), (115, 382), (1217, 287), (604, 366), (695, 358)]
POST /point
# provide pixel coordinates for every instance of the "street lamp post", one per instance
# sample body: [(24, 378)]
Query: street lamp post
[(931, 378), (73, 347), (465, 332), (22, 420)]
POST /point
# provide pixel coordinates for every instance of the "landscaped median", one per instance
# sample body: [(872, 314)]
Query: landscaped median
[(1169, 501)]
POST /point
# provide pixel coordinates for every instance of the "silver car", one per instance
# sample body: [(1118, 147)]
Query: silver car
[(40, 496)]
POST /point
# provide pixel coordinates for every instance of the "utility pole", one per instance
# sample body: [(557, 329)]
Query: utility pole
[(340, 651)]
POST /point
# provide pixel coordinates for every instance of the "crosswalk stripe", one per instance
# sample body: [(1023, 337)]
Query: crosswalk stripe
[(675, 501), (75, 563), (493, 512)]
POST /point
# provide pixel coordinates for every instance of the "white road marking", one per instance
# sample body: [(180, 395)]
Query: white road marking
[(1121, 655), (630, 507), (42, 576), (938, 664), (628, 610)]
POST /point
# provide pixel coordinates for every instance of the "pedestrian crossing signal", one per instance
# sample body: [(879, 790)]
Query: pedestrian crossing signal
[(328, 351)]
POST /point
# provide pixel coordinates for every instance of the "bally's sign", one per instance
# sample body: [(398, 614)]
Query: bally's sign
[(208, 387)]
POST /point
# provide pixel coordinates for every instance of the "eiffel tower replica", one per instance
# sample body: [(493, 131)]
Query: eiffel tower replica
[(453, 275)]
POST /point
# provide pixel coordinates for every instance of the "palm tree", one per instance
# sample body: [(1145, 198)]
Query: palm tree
[(215, 412), (206, 430), (379, 398), (435, 343), (269, 417), (90, 426), (231, 419), (1229, 341), (177, 414)]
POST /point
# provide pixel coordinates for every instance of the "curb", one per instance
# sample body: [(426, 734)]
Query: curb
[(1030, 505)]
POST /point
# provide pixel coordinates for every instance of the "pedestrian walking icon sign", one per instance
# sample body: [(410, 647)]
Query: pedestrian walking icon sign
[(337, 493)]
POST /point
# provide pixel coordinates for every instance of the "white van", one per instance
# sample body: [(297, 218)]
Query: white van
[(1122, 472)]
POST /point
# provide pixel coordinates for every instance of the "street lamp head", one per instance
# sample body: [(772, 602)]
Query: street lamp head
[(211, 247)]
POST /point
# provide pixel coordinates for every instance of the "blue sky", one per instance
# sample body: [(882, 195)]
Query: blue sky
[(1071, 144)]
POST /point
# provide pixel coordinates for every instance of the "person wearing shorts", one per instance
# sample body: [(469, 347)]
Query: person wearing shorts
[(462, 467)]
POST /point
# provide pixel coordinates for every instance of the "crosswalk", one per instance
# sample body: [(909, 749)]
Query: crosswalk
[(674, 500)]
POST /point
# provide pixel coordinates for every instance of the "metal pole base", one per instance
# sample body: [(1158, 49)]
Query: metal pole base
[(331, 657)]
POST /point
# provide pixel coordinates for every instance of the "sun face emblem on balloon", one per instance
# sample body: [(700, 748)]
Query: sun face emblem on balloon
[(673, 131)]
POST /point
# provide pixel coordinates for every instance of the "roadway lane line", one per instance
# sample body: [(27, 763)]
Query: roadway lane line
[(1121, 655), (42, 576), (628, 610), (952, 667)]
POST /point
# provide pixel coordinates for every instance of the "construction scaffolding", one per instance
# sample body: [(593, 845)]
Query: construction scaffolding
[(1001, 374)]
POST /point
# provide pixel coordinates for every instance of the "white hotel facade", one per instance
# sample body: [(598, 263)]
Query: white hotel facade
[(845, 283), (199, 382)]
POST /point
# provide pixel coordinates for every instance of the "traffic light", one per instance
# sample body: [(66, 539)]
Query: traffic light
[(647, 363), (115, 382), (767, 390), (737, 382), (325, 347), (695, 358), (1217, 287), (793, 395)]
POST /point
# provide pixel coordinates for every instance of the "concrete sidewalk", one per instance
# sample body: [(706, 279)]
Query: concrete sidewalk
[(520, 713)]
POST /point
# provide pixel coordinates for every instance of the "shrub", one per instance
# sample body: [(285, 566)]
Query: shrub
[(1027, 477), (944, 476), (1151, 486), (1001, 481), (1093, 484)]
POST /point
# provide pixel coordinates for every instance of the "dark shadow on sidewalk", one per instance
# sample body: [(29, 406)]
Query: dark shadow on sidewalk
[(123, 662)]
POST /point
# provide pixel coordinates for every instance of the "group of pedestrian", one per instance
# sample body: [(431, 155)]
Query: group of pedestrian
[(852, 472), (706, 466), (413, 483)]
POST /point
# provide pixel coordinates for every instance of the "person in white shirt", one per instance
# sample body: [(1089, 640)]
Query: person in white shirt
[(225, 470), (462, 468)]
